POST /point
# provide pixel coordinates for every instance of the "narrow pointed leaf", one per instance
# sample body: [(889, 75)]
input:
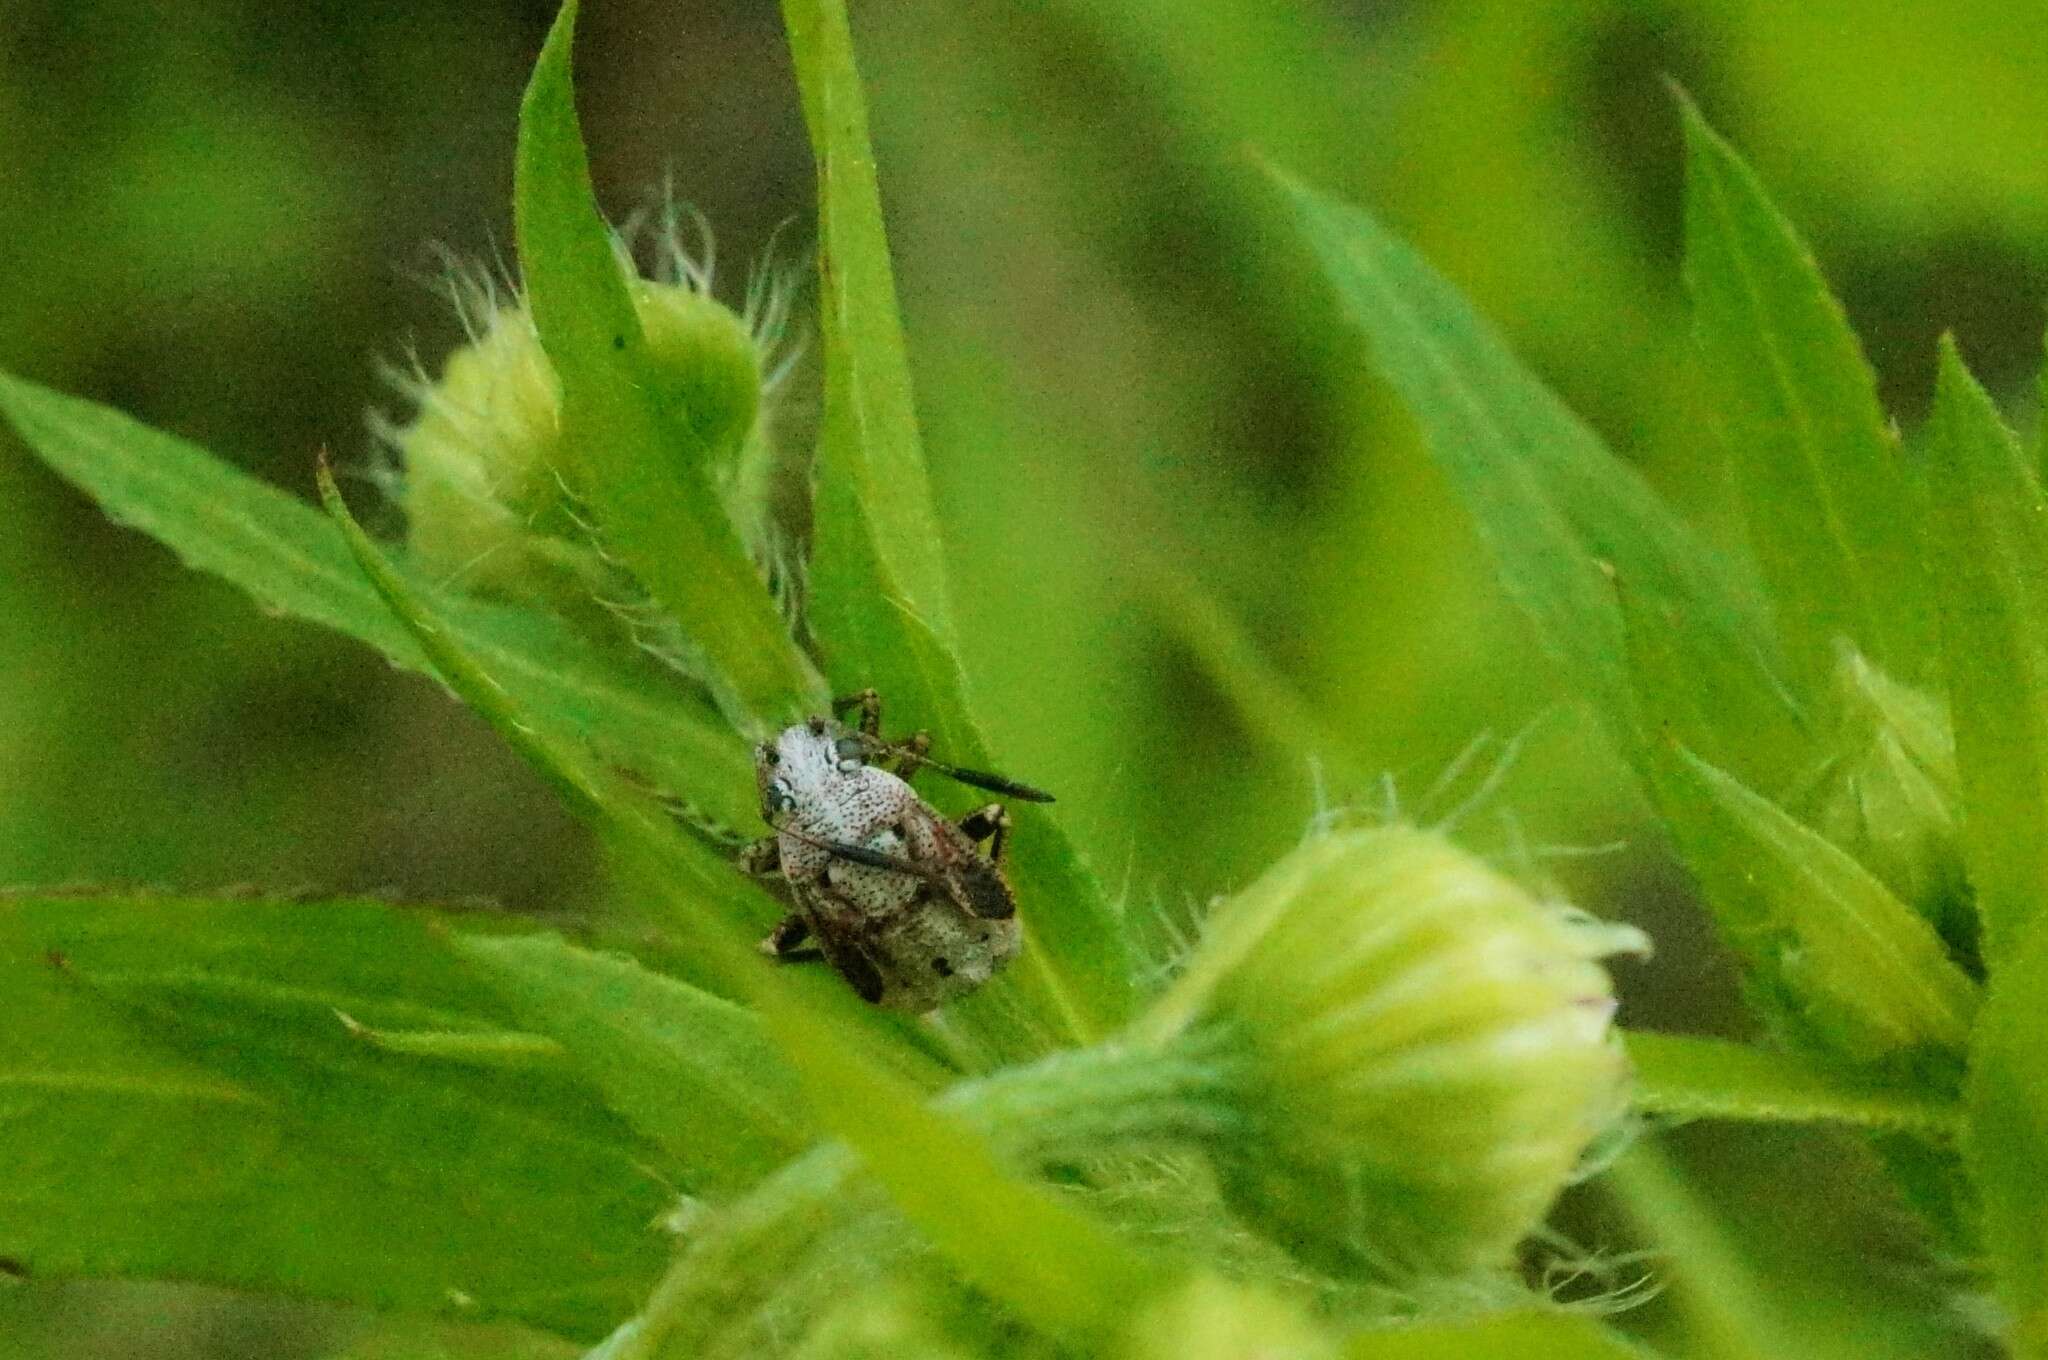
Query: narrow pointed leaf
[(293, 561), (1687, 1077), (727, 907), (181, 1101), (683, 885), (640, 466), (680, 883), (871, 442), (1990, 529), (878, 598), (2007, 1140), (1045, 1259), (508, 1048), (1859, 966), (1557, 509), (1820, 480), (693, 1072), (1708, 701)]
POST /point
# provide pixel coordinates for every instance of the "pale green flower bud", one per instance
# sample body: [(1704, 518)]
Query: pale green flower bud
[(1424, 1050), (915, 1316), (483, 500), (1211, 1318), (1891, 797)]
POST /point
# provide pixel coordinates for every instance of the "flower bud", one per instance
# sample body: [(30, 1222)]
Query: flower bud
[(1891, 796), (1423, 1050), (1211, 1318), (483, 499), (902, 1319)]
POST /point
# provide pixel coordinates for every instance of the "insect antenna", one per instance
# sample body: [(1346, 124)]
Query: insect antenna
[(860, 854), (913, 753), (994, 783)]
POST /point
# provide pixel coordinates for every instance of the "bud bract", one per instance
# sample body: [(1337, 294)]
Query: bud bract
[(1891, 797)]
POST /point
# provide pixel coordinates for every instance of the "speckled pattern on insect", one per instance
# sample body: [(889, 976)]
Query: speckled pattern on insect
[(900, 900)]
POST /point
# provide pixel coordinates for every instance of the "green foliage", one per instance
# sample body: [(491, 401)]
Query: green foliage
[(694, 1073), (690, 1152), (1561, 515), (186, 1101), (880, 605), (1855, 963), (280, 550), (1052, 1265), (1820, 479), (2008, 1105), (1991, 539), (1686, 1077), (641, 468), (1673, 655)]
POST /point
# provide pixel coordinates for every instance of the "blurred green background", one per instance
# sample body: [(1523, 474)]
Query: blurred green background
[(1163, 468)]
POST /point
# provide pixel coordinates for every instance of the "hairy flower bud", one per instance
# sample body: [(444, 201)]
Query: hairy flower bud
[(1423, 1050), (483, 498), (1891, 796), (915, 1316), (1211, 1318)]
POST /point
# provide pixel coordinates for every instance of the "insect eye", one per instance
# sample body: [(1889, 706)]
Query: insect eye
[(849, 750), (768, 754)]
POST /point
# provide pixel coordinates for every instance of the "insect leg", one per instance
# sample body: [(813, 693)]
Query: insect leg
[(870, 705), (991, 824), (762, 858), (840, 933), (787, 937), (911, 754)]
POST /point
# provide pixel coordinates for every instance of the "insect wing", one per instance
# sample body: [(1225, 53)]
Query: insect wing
[(970, 879), (836, 926)]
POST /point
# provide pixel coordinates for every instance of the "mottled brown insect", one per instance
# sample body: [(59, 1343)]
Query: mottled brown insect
[(903, 902)]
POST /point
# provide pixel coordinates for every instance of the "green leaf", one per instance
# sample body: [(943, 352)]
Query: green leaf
[(872, 441), (1708, 700), (945, 1168), (2007, 1140), (482, 1047), (181, 1101), (819, 1214), (691, 1071), (1990, 530), (683, 885), (293, 561), (1685, 1077), (1558, 511), (878, 600), (1047, 1260), (592, 791), (640, 467), (1821, 481), (1855, 963)]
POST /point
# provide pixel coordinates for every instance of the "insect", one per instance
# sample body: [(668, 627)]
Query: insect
[(901, 901)]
